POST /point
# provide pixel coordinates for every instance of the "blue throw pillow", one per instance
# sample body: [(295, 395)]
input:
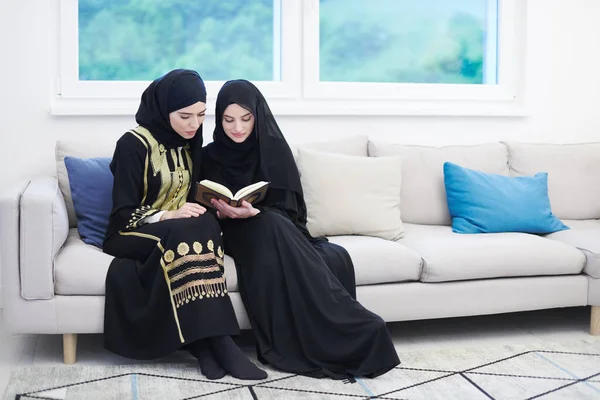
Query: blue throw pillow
[(489, 203), (91, 184)]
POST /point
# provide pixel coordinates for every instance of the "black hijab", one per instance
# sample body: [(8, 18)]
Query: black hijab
[(263, 156), (177, 89)]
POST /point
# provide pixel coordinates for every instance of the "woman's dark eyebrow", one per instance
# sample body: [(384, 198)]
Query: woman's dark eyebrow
[(245, 115), (186, 113)]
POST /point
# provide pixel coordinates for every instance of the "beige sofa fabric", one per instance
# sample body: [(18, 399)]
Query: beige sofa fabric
[(413, 301), (423, 193), (594, 292), (81, 268), (352, 146), (43, 230), (453, 257), (584, 235), (380, 261), (573, 175), (349, 195)]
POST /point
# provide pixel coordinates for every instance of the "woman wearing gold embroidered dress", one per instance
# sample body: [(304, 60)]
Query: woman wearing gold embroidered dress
[(166, 288)]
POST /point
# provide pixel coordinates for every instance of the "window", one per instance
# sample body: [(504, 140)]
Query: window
[(128, 40), (409, 57), (392, 57), (110, 50), (407, 41)]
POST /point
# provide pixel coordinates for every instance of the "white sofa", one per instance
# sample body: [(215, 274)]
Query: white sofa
[(53, 283)]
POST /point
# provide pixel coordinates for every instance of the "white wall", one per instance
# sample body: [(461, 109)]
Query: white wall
[(563, 92)]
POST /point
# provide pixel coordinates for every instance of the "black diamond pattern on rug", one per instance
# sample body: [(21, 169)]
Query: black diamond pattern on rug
[(528, 375)]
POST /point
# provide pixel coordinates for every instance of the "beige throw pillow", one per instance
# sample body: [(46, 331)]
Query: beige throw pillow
[(351, 195)]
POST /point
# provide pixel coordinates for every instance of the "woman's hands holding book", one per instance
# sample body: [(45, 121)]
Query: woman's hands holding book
[(187, 210), (224, 210)]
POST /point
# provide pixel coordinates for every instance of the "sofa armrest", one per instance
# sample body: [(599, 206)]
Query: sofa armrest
[(593, 291), (10, 199), (43, 229)]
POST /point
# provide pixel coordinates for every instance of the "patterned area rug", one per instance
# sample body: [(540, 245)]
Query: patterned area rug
[(561, 371)]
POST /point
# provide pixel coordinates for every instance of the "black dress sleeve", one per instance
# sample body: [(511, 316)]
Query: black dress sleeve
[(128, 166), (281, 201), (291, 205)]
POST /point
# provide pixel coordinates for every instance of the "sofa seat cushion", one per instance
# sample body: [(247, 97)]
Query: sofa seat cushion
[(451, 256), (80, 269), (378, 260), (584, 235)]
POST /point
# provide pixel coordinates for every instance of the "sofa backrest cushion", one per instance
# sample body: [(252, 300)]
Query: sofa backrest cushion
[(351, 195), (77, 149), (423, 199), (573, 175), (354, 145), (350, 146), (91, 183)]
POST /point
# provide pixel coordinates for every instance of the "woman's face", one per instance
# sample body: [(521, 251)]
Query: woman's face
[(238, 123), (186, 121)]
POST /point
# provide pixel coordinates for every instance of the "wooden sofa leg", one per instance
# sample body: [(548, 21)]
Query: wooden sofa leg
[(70, 347), (595, 321)]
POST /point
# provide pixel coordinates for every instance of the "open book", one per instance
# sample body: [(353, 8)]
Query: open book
[(208, 190)]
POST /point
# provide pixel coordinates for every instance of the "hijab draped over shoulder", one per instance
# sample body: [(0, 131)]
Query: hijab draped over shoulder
[(175, 90), (264, 156)]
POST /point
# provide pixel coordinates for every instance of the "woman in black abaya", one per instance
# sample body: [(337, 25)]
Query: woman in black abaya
[(299, 291), (166, 288)]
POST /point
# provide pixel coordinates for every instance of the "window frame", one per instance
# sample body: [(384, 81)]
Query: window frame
[(299, 92), (506, 68), (76, 97)]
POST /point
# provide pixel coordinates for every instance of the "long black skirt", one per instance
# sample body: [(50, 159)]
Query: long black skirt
[(304, 320), (166, 288)]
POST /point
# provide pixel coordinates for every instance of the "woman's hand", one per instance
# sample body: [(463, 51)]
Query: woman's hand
[(187, 210), (224, 210)]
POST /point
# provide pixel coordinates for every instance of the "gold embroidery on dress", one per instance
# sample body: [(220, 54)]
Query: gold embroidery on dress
[(166, 274), (181, 182), (189, 258), (183, 249), (194, 270), (198, 289), (210, 245), (184, 291), (174, 185), (137, 135), (220, 252), (169, 256), (175, 181), (138, 215), (142, 235)]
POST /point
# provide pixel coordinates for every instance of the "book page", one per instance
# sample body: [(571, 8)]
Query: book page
[(249, 189), (217, 187)]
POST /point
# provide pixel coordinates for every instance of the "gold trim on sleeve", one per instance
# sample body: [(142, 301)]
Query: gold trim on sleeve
[(137, 135)]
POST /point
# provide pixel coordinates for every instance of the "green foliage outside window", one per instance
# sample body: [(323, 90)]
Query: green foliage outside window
[(425, 41)]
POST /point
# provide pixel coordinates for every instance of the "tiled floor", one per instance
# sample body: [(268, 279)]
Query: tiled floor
[(539, 328)]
